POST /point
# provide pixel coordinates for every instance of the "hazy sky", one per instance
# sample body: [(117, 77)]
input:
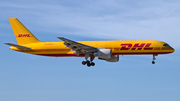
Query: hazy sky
[(25, 77)]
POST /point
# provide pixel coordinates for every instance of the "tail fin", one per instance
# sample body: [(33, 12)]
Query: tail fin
[(22, 34)]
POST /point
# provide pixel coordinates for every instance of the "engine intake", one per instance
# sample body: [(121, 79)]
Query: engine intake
[(104, 53)]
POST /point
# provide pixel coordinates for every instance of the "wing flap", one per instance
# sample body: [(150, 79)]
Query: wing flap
[(78, 47)]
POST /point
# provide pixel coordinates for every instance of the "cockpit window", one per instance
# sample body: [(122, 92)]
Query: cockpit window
[(166, 45)]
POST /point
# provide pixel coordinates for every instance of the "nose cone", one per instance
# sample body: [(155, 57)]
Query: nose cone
[(170, 49), (173, 50), (167, 48)]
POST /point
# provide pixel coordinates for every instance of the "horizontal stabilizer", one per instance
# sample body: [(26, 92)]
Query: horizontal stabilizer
[(18, 46)]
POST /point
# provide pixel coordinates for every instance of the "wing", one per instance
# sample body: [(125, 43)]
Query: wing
[(78, 47), (18, 46)]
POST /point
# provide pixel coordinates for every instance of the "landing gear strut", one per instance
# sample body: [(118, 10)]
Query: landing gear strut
[(87, 62), (153, 62)]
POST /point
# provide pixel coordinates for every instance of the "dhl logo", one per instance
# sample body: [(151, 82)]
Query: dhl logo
[(23, 35), (137, 46)]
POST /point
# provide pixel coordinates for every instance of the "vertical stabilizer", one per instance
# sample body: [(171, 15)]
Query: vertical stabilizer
[(22, 34)]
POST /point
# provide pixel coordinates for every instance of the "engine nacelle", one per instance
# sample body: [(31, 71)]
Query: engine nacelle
[(114, 58), (104, 54)]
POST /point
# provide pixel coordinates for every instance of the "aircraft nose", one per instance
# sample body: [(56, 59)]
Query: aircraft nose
[(173, 50)]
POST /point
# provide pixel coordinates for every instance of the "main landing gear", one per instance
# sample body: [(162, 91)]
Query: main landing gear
[(87, 62), (153, 62)]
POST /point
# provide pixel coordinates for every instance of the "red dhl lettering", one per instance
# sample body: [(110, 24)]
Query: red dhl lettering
[(137, 46), (126, 46), (23, 35), (147, 47)]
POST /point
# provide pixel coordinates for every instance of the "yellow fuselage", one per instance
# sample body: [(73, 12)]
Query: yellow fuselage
[(129, 47)]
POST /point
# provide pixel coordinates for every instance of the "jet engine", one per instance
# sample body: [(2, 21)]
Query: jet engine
[(104, 54), (114, 58)]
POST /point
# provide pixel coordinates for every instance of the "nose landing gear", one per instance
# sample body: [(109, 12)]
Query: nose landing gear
[(153, 62)]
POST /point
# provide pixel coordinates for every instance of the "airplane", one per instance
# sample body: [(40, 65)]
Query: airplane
[(104, 50)]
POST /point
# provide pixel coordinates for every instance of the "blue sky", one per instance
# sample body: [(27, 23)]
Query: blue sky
[(25, 77)]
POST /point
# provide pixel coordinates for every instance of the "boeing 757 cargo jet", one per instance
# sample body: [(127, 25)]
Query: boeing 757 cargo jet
[(104, 50)]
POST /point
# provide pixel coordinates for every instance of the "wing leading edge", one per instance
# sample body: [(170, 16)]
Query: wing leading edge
[(78, 47)]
